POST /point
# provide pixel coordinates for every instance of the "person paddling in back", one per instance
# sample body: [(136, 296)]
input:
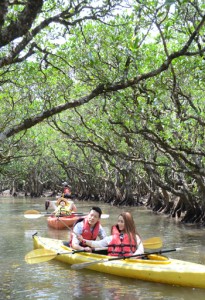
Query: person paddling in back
[(64, 208), (88, 228), (124, 239), (66, 191)]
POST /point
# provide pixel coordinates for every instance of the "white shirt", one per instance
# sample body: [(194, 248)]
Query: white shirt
[(78, 229)]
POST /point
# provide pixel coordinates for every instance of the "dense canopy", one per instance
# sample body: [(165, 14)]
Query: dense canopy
[(107, 95)]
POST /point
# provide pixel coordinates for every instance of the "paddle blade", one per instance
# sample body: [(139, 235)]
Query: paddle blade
[(153, 243), (32, 214), (39, 255), (105, 216)]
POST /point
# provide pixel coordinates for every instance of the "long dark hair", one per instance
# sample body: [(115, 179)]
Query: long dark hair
[(130, 227)]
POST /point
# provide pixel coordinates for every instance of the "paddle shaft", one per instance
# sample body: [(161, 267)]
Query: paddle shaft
[(142, 255), (34, 214), (70, 229), (43, 255), (72, 214), (84, 265), (60, 253)]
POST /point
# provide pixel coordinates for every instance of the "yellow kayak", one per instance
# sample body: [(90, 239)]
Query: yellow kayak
[(155, 268)]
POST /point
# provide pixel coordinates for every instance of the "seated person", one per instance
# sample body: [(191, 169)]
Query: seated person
[(123, 241), (64, 208), (66, 191), (88, 228)]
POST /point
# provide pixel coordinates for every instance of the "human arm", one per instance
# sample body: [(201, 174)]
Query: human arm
[(57, 210), (102, 233), (101, 236), (73, 207), (99, 244), (140, 247)]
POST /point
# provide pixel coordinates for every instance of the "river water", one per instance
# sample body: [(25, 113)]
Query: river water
[(54, 280)]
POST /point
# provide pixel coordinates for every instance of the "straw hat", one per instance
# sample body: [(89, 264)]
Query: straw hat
[(62, 199)]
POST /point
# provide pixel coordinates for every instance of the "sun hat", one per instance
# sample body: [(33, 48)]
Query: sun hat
[(62, 199)]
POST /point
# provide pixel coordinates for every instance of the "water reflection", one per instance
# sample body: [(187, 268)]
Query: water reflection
[(55, 280)]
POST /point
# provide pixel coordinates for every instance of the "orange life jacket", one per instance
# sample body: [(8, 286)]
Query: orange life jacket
[(120, 244), (87, 234)]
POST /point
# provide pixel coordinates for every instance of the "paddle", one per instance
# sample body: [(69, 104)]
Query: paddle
[(41, 255), (35, 214), (59, 219), (153, 243), (104, 260)]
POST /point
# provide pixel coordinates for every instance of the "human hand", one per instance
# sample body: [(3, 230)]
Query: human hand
[(80, 238), (88, 249)]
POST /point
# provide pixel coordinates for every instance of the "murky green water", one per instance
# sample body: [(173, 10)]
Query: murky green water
[(54, 280)]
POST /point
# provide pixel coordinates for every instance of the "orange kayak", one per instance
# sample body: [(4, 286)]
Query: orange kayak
[(63, 222)]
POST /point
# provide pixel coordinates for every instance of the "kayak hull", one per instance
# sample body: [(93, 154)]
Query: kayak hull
[(60, 223), (156, 268)]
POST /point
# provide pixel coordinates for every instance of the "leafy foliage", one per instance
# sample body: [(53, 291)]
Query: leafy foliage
[(115, 90)]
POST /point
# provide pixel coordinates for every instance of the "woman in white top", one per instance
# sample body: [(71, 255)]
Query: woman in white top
[(124, 241)]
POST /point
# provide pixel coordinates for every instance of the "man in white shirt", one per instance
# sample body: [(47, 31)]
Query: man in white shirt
[(88, 228)]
